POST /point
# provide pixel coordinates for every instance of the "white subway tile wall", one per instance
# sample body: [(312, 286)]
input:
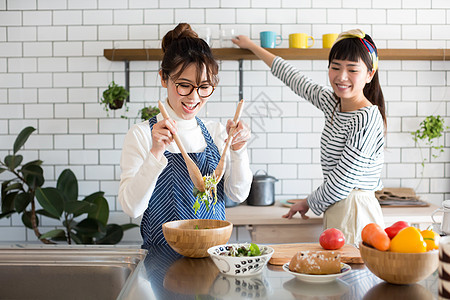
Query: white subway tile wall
[(53, 72)]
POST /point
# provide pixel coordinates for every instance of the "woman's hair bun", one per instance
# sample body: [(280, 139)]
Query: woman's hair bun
[(183, 30)]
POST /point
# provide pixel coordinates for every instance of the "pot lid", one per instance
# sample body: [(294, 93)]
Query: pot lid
[(263, 177)]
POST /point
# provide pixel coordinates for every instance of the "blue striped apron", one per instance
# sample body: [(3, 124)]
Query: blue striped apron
[(172, 198)]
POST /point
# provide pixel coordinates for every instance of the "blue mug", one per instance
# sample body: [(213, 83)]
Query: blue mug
[(269, 39)]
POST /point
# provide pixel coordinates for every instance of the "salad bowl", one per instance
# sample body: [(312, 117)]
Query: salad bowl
[(193, 237), (244, 259)]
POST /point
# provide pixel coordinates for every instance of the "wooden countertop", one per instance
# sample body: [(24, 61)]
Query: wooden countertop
[(271, 215)]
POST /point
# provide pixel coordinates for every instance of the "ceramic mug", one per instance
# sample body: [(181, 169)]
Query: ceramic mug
[(300, 40), (445, 224), (328, 40), (269, 39)]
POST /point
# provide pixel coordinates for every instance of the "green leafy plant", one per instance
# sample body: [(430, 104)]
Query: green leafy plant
[(114, 96), (83, 221), (431, 128), (148, 112)]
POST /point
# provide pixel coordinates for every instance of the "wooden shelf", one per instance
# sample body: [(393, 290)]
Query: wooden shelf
[(286, 53)]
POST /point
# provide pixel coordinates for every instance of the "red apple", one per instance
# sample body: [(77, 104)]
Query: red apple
[(332, 239)]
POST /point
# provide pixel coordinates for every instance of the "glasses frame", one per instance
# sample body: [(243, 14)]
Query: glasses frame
[(193, 88)]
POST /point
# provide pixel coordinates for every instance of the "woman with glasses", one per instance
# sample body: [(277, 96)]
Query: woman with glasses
[(352, 141), (155, 182)]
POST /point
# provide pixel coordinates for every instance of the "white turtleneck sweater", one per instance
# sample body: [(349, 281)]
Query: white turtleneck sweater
[(140, 168)]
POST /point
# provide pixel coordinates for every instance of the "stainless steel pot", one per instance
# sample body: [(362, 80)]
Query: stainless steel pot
[(262, 192)]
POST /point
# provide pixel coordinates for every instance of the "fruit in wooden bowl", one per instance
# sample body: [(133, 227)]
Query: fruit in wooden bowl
[(399, 268), (193, 237)]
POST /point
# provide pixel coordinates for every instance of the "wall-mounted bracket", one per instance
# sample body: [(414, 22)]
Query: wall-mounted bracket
[(241, 80), (127, 78)]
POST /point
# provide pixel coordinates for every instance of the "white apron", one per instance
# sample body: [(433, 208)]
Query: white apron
[(352, 214)]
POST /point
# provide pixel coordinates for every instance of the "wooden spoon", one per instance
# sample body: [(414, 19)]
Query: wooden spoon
[(194, 172), (220, 169)]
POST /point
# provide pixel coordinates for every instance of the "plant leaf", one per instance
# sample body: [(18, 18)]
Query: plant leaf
[(68, 185), (2, 170), (7, 214), (43, 212), (8, 202), (76, 238), (128, 226), (22, 138), (21, 201), (51, 200), (14, 186), (34, 162), (13, 161), (102, 212), (114, 234), (34, 176), (91, 228), (26, 219), (93, 196), (56, 233), (79, 207)]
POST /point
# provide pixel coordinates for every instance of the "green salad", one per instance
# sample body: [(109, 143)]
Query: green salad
[(246, 250), (208, 196)]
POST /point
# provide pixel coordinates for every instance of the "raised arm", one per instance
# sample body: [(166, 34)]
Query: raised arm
[(244, 42)]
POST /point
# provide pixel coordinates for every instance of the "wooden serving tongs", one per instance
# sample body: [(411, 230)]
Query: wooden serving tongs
[(220, 169), (194, 172)]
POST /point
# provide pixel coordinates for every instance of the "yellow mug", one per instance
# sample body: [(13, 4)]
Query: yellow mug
[(300, 40), (328, 40)]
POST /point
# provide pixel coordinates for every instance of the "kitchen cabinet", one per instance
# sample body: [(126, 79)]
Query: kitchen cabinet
[(266, 225)]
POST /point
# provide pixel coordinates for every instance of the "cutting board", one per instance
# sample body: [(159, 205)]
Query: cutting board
[(284, 252)]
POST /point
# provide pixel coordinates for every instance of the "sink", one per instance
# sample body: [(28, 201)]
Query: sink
[(66, 272)]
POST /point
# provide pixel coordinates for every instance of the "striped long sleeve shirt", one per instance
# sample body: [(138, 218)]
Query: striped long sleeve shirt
[(351, 145)]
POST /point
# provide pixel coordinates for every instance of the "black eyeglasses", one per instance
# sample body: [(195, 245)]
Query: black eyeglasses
[(185, 89)]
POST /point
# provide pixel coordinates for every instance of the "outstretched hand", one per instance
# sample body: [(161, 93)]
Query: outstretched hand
[(301, 207), (243, 41)]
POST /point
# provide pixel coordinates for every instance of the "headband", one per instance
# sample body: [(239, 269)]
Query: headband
[(365, 40)]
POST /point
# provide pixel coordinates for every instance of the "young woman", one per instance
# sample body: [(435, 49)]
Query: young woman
[(352, 140), (154, 180)]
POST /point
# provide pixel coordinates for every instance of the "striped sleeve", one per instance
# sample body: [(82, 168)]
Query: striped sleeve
[(320, 96), (361, 159)]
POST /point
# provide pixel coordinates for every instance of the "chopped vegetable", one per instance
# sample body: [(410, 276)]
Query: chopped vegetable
[(245, 250), (208, 195)]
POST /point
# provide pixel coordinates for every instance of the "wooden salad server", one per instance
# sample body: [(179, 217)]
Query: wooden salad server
[(220, 169), (194, 172)]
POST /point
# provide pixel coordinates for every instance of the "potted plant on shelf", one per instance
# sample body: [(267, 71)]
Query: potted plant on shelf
[(148, 112), (114, 96), (83, 221)]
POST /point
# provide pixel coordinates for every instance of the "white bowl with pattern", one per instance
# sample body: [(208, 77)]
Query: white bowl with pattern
[(242, 265)]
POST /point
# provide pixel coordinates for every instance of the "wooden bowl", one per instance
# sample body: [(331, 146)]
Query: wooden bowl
[(186, 240), (399, 268)]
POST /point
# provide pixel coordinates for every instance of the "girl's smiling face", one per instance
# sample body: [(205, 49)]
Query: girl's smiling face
[(187, 107), (348, 78)]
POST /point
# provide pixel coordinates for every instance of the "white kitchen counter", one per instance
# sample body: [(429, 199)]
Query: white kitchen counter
[(266, 225)]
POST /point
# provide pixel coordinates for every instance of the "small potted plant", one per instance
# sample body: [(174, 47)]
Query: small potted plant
[(148, 112), (431, 128), (114, 96)]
